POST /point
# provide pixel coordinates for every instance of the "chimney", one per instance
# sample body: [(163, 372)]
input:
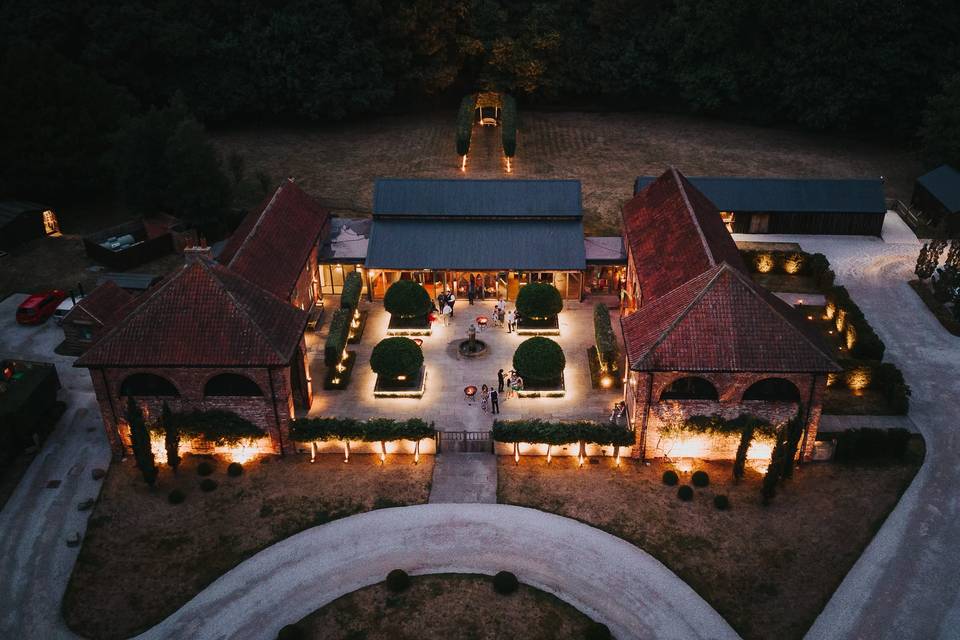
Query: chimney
[(196, 254)]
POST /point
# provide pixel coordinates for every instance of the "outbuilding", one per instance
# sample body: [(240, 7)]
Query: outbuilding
[(23, 221), (793, 205), (936, 195)]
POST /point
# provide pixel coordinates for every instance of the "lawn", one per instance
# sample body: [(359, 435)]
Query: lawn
[(768, 570), (143, 558), (443, 606)]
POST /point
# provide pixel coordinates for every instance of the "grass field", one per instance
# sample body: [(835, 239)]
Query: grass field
[(767, 570), (444, 606)]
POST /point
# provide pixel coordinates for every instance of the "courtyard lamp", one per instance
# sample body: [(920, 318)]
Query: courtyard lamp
[(346, 451), (549, 456)]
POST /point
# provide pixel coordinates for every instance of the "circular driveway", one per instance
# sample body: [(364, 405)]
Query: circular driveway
[(608, 579)]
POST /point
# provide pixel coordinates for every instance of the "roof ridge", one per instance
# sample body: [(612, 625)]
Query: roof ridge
[(693, 216), (256, 226)]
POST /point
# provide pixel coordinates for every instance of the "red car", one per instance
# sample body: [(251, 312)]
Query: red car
[(40, 306)]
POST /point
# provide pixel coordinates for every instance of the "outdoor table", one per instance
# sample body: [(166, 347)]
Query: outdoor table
[(482, 322), (469, 393)]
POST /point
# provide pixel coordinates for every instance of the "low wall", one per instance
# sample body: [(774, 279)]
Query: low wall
[(572, 449), (428, 446)]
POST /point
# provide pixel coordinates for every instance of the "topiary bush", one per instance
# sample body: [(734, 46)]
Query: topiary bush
[(539, 360), (407, 299), (608, 348), (234, 469), (465, 123), (398, 580), (670, 478), (204, 468), (337, 336), (685, 493), (539, 300), (176, 496), (393, 357), (505, 583), (291, 632), (208, 485), (350, 295), (597, 631), (721, 502), (700, 479), (508, 125)]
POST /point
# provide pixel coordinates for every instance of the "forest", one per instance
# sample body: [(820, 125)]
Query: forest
[(75, 71)]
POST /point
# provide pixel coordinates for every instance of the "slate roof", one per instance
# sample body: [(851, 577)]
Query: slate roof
[(477, 198), (674, 234), (202, 315), (347, 240), (11, 209), (943, 183), (722, 321), (788, 194), (605, 250), (106, 304), (273, 242), (476, 244)]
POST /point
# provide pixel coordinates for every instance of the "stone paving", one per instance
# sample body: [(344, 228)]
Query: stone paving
[(464, 478)]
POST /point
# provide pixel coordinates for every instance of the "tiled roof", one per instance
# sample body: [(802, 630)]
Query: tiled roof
[(106, 304), (722, 321), (674, 234), (273, 242), (202, 315)]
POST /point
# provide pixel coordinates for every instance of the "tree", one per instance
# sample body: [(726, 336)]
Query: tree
[(794, 434), (140, 439), (940, 132), (407, 299), (775, 470), (953, 254), (539, 300), (746, 438), (393, 357), (539, 360), (923, 268), (171, 437)]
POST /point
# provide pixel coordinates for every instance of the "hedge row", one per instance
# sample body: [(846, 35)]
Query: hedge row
[(337, 338), (852, 324), (814, 265), (217, 426), (718, 425), (607, 346), (465, 123), (857, 445), (942, 313), (373, 430), (350, 296), (885, 377), (508, 125), (558, 433)]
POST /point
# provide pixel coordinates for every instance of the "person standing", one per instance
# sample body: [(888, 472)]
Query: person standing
[(495, 400), (501, 306), (451, 300), (447, 312), (471, 289), (500, 381), (484, 397), (510, 318)]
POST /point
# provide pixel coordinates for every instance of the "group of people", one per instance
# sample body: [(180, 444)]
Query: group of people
[(502, 317), (445, 302), (506, 383)]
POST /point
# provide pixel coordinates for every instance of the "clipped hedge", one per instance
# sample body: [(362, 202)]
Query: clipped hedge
[(352, 286), (852, 324), (374, 430), (608, 349), (862, 445), (539, 360), (539, 300), (337, 337), (508, 125), (883, 377), (465, 123), (505, 583), (560, 433), (217, 426), (717, 425), (398, 580), (813, 265), (407, 299), (397, 356)]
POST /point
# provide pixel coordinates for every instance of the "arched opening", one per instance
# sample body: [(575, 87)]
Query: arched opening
[(147, 384), (231, 384), (690, 388), (773, 390)]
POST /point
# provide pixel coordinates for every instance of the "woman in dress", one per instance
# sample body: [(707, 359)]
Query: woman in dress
[(484, 398)]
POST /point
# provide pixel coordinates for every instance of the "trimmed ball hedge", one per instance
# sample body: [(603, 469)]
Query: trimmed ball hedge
[(559, 433), (374, 430), (700, 479), (398, 356), (352, 286), (539, 300), (721, 502), (407, 299), (398, 580), (204, 468), (505, 583), (234, 469), (685, 493), (176, 496), (539, 360), (208, 485), (337, 336), (670, 478)]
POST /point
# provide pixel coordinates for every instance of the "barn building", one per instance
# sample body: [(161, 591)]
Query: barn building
[(23, 221), (793, 205), (936, 195), (701, 337)]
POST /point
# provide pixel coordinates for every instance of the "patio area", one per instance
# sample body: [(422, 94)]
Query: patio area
[(448, 373)]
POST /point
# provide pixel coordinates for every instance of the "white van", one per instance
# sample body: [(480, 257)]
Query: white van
[(62, 310)]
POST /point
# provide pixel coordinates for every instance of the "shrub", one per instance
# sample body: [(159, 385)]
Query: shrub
[(398, 356), (721, 502), (558, 433), (670, 478), (700, 479), (862, 445), (465, 123), (234, 469), (505, 583), (867, 344), (685, 493), (350, 296), (607, 346), (204, 468), (176, 496), (539, 300), (337, 336), (398, 580), (597, 631), (407, 299), (508, 126), (376, 430), (889, 379), (217, 426), (539, 359), (208, 484), (291, 632)]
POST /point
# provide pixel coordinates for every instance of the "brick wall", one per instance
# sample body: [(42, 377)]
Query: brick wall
[(74, 329), (301, 295)]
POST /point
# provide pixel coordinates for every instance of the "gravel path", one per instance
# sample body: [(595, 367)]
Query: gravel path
[(601, 575)]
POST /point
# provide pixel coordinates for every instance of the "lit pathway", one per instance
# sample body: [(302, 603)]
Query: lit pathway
[(608, 579), (906, 583)]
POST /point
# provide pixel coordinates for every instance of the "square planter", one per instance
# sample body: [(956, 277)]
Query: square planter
[(356, 333), (409, 327), (596, 375), (548, 327), (334, 380), (554, 390), (413, 387)]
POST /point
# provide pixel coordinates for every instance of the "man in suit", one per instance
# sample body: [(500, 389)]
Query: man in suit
[(495, 399)]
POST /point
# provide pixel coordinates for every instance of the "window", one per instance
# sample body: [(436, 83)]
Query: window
[(773, 390), (231, 384), (691, 388), (147, 384)]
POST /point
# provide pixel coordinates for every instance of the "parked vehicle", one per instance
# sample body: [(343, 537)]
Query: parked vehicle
[(63, 309), (40, 306)]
